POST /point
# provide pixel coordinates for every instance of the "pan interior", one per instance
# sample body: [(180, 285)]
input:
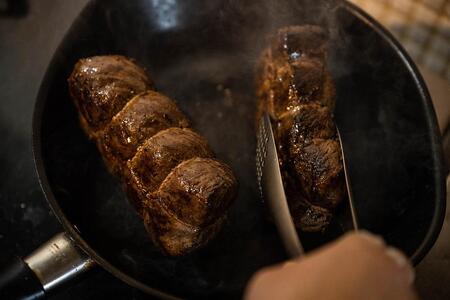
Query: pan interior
[(203, 54)]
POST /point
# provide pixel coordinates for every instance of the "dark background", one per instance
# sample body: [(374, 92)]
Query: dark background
[(30, 31)]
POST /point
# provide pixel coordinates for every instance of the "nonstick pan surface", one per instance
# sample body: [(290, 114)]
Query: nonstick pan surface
[(203, 54)]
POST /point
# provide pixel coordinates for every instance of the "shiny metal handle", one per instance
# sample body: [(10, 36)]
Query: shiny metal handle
[(54, 263), (58, 261)]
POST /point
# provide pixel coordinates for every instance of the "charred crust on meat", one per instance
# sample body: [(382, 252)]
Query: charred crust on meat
[(169, 172), (297, 90)]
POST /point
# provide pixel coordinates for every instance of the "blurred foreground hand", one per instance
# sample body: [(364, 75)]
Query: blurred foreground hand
[(358, 266)]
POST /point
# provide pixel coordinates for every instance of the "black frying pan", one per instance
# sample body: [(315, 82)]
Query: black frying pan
[(203, 54)]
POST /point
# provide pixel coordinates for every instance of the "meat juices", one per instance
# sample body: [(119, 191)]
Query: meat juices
[(169, 172), (296, 89), (102, 85)]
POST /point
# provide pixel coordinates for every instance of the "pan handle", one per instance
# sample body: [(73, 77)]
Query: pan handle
[(54, 263)]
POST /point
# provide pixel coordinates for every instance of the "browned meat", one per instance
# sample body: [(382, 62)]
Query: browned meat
[(174, 237), (312, 152), (156, 158), (306, 122), (102, 85), (296, 89), (191, 199), (293, 71), (318, 167), (177, 188), (141, 118)]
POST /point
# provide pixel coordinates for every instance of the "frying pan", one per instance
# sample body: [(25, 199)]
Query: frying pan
[(203, 54)]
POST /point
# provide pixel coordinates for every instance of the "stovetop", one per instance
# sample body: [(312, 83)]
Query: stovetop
[(30, 31)]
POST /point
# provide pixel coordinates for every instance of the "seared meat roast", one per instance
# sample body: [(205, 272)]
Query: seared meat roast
[(297, 91), (169, 172)]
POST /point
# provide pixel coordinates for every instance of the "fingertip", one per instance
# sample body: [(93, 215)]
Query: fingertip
[(402, 263), (364, 238), (397, 257)]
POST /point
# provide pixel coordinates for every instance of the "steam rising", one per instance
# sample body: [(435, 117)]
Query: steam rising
[(166, 13)]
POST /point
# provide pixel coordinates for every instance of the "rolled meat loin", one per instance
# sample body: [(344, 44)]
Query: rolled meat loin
[(297, 90), (169, 172)]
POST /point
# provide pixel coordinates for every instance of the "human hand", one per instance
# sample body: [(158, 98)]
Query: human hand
[(357, 266)]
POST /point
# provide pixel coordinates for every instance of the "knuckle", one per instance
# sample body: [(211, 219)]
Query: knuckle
[(261, 276), (364, 241), (367, 252)]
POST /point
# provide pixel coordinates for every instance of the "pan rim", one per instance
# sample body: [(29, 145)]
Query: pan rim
[(426, 244), (439, 172)]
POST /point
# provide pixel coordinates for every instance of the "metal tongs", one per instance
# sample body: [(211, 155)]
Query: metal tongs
[(270, 185)]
